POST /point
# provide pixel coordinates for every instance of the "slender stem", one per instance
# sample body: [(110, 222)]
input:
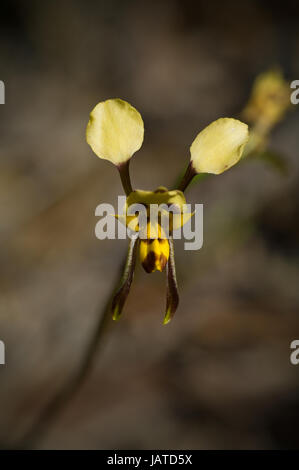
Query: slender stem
[(62, 397), (187, 178), (123, 169)]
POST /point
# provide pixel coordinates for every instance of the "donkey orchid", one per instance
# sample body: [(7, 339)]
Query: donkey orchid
[(115, 132)]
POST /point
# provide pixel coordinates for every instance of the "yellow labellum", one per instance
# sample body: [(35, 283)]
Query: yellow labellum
[(154, 252), (115, 130), (219, 146), (173, 198)]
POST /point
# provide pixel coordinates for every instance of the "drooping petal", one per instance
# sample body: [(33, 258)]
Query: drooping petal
[(126, 281), (172, 295), (219, 146), (115, 130)]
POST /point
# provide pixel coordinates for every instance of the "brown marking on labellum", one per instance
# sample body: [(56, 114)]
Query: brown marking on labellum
[(149, 262)]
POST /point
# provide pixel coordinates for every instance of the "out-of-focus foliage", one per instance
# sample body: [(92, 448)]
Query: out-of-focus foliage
[(269, 100), (267, 106)]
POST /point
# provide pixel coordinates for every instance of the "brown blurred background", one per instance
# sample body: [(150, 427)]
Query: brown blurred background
[(219, 375)]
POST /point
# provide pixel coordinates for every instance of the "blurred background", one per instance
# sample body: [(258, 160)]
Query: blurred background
[(219, 375)]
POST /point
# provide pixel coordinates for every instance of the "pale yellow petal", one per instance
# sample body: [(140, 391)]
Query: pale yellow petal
[(130, 221), (219, 146), (181, 219), (115, 130)]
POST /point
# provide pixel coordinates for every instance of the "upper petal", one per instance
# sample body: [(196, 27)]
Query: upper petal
[(115, 130), (219, 146)]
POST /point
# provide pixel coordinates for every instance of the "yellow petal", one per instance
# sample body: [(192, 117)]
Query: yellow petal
[(115, 130), (140, 196), (219, 146), (130, 221), (181, 219)]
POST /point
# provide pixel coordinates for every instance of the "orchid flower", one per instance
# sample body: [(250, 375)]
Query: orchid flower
[(115, 132)]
